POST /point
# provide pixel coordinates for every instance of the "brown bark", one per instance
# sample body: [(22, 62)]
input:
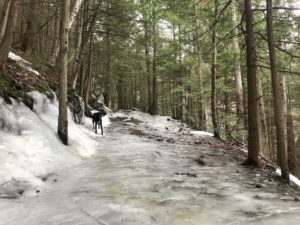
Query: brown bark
[(108, 70), (199, 74), (82, 77), (107, 77), (270, 125), (265, 150), (120, 92), (31, 39), (7, 39), (3, 18), (226, 105), (214, 79), (279, 98), (154, 108), (89, 75), (148, 64), (142, 89), (254, 139), (292, 160), (202, 116), (237, 67)]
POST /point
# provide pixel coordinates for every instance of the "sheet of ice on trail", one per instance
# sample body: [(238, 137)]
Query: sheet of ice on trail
[(159, 123), (79, 138), (22, 62)]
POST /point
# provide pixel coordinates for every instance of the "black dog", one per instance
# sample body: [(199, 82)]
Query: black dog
[(97, 119)]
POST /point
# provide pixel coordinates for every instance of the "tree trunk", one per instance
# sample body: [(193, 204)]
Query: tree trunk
[(265, 150), (77, 62), (142, 89), (226, 105), (3, 18), (46, 38), (89, 75), (254, 139), (202, 116), (82, 78), (148, 63), (214, 79), (270, 124), (21, 19), (279, 98), (82, 39), (108, 71), (199, 75), (154, 108), (292, 161), (71, 20), (63, 74), (237, 66), (56, 38), (31, 39), (120, 92), (7, 39), (74, 13)]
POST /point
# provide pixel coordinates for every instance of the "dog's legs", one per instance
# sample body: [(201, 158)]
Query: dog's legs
[(96, 128), (100, 123)]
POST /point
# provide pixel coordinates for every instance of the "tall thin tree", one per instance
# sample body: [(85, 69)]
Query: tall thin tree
[(7, 39), (4, 17), (214, 77), (31, 40), (280, 105), (254, 138), (63, 73), (237, 65), (154, 108)]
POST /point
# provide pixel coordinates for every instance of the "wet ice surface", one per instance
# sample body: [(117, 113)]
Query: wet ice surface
[(134, 179)]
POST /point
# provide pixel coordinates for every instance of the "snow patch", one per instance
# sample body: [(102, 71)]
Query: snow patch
[(201, 133), (29, 146), (22, 62), (294, 179), (17, 58), (47, 111)]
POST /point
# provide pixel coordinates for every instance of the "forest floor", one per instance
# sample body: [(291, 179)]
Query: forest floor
[(152, 170)]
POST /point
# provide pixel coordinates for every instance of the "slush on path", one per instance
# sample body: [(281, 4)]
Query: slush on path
[(143, 173)]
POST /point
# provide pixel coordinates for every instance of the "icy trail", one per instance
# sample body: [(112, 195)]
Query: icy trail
[(144, 173)]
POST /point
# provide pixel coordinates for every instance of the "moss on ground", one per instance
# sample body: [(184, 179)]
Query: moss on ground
[(4, 83), (16, 82)]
